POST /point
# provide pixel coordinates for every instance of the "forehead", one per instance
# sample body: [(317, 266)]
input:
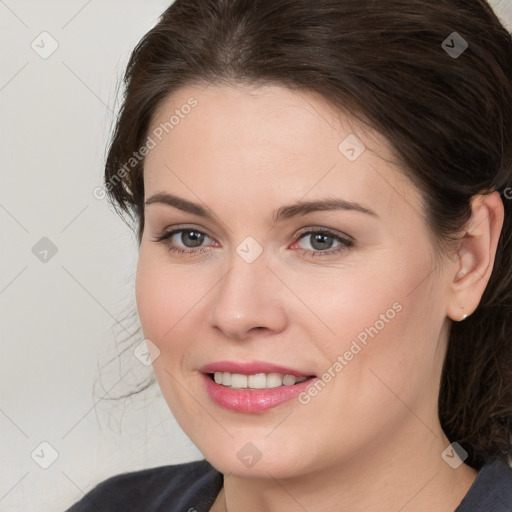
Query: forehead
[(262, 117), (268, 143)]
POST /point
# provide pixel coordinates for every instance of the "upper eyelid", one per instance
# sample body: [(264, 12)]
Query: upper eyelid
[(178, 229), (319, 229)]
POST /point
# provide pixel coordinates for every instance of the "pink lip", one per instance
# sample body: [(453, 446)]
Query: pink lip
[(250, 368), (251, 400)]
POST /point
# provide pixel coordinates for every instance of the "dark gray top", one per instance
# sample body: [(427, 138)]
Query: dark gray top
[(193, 487)]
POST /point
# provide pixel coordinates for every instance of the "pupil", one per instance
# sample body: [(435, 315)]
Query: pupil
[(319, 241), (197, 238)]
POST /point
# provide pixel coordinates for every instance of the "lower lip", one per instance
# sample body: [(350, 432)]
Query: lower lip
[(252, 400)]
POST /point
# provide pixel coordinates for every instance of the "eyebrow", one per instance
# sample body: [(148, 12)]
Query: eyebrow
[(285, 212)]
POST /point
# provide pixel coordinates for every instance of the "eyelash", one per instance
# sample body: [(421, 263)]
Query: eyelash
[(345, 243)]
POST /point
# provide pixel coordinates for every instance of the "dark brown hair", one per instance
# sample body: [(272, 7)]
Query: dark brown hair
[(448, 118)]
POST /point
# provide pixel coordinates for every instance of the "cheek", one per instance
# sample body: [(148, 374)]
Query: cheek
[(170, 303), (364, 304), (384, 333), (152, 297), (164, 298), (164, 295)]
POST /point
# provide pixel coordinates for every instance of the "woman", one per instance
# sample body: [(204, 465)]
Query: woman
[(323, 207)]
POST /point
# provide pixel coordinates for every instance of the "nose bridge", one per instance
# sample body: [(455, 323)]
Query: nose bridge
[(246, 297)]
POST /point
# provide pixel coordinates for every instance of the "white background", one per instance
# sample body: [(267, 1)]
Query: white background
[(60, 319)]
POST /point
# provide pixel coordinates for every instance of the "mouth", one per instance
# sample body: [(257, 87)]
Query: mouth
[(253, 387)]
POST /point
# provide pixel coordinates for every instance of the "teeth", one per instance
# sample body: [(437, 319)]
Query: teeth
[(274, 380), (288, 380), (238, 380), (256, 381)]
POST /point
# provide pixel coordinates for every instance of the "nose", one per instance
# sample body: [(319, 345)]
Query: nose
[(248, 300)]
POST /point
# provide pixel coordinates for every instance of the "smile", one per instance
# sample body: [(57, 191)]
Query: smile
[(255, 381), (253, 387)]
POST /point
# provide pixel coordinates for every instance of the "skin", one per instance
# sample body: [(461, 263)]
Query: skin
[(371, 439)]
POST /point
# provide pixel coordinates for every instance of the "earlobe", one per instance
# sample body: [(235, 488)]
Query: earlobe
[(475, 255), (462, 315)]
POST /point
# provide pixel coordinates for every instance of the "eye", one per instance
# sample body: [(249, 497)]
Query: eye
[(323, 242), (190, 241), (190, 238)]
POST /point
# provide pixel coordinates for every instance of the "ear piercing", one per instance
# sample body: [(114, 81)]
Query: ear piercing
[(464, 316)]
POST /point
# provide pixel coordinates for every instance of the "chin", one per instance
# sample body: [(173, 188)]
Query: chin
[(258, 458)]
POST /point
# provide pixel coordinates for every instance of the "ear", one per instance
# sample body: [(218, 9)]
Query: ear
[(475, 256)]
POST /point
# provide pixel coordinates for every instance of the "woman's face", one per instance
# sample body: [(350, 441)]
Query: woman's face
[(349, 295)]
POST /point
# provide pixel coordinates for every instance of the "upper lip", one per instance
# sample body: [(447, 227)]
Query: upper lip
[(250, 368)]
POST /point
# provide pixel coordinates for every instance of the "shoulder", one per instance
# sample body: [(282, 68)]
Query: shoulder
[(491, 490), (192, 486)]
